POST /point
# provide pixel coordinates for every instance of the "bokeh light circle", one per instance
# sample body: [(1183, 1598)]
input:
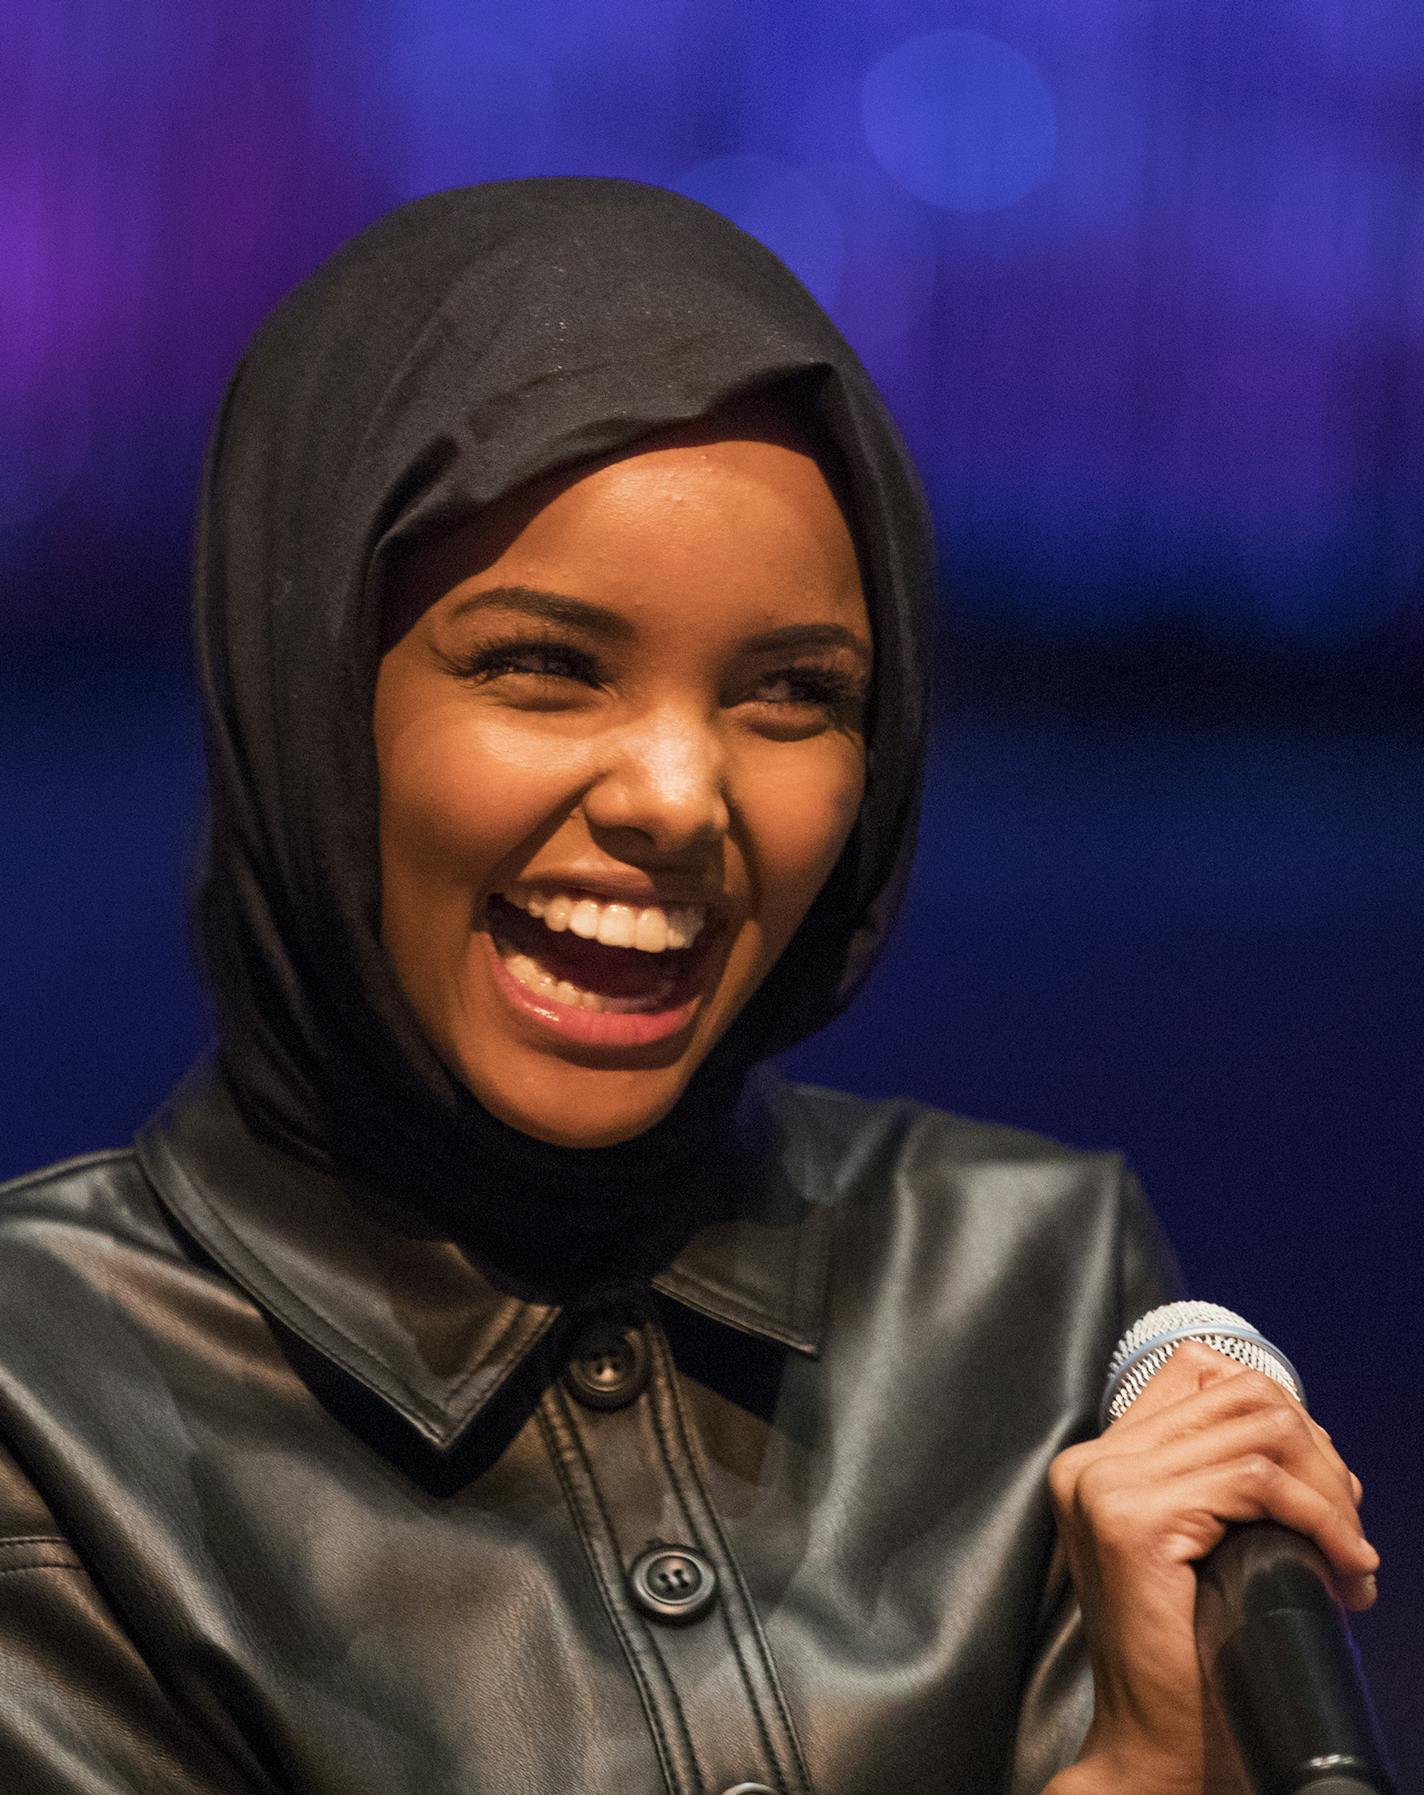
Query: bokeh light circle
[(960, 119), (781, 207)]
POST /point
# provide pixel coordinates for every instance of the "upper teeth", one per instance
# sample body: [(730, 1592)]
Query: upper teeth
[(653, 928)]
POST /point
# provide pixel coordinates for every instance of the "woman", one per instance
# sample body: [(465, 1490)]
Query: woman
[(485, 1376)]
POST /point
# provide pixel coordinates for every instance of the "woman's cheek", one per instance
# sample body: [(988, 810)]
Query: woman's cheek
[(818, 805), (476, 794), (803, 817)]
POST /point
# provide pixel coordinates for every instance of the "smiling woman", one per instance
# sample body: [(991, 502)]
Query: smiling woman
[(485, 1374), (604, 816)]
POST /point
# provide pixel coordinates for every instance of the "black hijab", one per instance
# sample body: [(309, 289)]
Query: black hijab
[(453, 351)]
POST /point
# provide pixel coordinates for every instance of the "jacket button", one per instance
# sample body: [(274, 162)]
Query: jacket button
[(673, 1583), (608, 1364)]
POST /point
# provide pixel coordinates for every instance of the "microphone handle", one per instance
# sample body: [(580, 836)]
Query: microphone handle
[(1279, 1659)]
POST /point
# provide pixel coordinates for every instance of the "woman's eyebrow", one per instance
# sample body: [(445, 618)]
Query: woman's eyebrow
[(549, 607), (599, 620), (793, 636)]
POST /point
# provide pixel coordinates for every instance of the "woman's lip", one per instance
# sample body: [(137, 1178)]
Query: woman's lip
[(592, 1028)]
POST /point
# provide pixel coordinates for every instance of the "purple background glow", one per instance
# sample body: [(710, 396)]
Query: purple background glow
[(1143, 279)]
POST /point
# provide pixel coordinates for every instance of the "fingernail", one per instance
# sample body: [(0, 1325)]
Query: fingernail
[(1357, 1593)]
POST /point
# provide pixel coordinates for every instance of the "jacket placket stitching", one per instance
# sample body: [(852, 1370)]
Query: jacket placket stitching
[(783, 1750), (656, 1691)]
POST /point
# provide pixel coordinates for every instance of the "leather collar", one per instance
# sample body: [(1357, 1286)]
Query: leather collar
[(388, 1299)]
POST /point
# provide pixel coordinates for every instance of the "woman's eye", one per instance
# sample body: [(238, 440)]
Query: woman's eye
[(534, 660), (824, 689)]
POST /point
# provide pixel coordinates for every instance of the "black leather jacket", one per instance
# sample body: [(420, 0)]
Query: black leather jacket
[(293, 1498)]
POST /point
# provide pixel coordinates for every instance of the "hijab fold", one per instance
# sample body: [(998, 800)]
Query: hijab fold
[(458, 348)]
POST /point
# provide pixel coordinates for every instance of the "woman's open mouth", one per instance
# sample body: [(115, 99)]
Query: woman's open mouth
[(601, 973)]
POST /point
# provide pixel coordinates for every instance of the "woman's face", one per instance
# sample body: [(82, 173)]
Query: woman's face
[(619, 738)]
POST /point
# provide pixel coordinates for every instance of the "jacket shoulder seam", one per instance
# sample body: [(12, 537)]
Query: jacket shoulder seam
[(905, 1122), (66, 1168)]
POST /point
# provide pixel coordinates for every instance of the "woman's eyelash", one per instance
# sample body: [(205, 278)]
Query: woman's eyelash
[(828, 687), (547, 660)]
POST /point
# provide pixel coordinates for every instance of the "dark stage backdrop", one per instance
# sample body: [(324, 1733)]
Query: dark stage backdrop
[(1144, 283)]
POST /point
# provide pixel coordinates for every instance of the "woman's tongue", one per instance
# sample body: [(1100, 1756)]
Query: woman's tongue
[(615, 972)]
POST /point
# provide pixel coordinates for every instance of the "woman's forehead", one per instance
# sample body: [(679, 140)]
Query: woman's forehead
[(568, 509), (730, 517)]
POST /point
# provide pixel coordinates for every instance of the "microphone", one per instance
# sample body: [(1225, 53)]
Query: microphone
[(1271, 1637)]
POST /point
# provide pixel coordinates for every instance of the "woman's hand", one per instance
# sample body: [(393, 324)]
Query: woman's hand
[(1206, 1444)]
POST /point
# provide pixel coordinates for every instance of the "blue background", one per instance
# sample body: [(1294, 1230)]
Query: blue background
[(1143, 281)]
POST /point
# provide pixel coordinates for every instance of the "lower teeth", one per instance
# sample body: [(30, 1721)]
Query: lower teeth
[(532, 976)]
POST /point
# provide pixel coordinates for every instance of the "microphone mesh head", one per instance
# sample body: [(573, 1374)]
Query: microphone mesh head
[(1146, 1347)]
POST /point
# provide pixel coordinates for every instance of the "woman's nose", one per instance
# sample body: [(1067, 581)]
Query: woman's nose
[(664, 780)]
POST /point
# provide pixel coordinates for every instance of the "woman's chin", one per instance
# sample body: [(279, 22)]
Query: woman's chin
[(580, 1106)]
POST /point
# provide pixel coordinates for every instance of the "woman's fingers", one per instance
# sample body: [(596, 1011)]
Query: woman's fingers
[(1238, 1448), (1280, 1430), (1207, 1445), (1179, 1518), (1357, 1593), (1283, 1435), (1191, 1367), (1235, 1434), (1196, 1374), (1185, 1406)]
